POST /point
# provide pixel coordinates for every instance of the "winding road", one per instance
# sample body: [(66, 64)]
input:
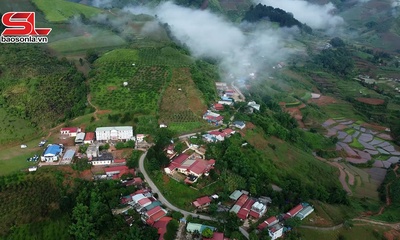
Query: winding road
[(169, 205), (161, 197)]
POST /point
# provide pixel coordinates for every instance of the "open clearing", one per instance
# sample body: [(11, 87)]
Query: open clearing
[(61, 10), (99, 39)]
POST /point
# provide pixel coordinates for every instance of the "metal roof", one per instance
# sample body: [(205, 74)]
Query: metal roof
[(52, 150), (118, 128), (69, 154)]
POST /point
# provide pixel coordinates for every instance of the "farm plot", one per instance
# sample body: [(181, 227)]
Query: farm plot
[(166, 56), (62, 11), (143, 84), (182, 102), (101, 39)]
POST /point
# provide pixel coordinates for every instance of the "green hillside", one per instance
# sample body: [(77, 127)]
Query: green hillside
[(62, 10)]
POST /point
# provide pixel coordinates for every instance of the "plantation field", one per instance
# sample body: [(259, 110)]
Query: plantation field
[(14, 129), (166, 56), (145, 83), (188, 127), (362, 232), (182, 102), (100, 39), (62, 11)]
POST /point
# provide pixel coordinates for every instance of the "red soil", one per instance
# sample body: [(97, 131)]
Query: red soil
[(371, 101), (323, 100)]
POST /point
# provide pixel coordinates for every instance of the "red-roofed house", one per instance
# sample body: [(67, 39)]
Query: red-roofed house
[(142, 203), (170, 149), (117, 172), (228, 132), (218, 107), (89, 138), (150, 217), (202, 202), (243, 213), (248, 204), (189, 166), (216, 236), (161, 226), (121, 160), (294, 211), (70, 131), (242, 200), (212, 117), (267, 223)]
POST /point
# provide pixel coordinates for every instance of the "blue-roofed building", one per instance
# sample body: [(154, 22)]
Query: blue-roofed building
[(228, 99), (52, 153)]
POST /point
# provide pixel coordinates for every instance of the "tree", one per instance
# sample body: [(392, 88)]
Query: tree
[(207, 233), (82, 227), (253, 236), (176, 215), (337, 42), (81, 61), (91, 56), (172, 228), (293, 222)]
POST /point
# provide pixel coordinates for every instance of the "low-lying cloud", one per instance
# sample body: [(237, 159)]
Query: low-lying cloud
[(209, 35), (315, 16)]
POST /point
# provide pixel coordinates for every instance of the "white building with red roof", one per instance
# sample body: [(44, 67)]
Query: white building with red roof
[(70, 131), (89, 138), (257, 210), (153, 215), (202, 202), (189, 165), (294, 211), (268, 223)]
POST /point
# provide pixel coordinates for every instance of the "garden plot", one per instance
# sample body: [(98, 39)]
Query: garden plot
[(362, 144)]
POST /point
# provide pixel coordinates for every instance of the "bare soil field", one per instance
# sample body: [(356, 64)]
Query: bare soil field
[(371, 101), (324, 100)]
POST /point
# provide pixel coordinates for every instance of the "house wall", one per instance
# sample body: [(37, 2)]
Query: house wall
[(120, 135), (276, 234), (88, 141), (106, 162)]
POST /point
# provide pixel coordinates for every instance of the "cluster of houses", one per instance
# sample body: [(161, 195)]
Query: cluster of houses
[(149, 208), (218, 136), (275, 225), (54, 152), (191, 166), (246, 206)]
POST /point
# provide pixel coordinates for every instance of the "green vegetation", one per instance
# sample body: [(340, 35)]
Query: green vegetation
[(362, 232), (81, 164), (62, 11), (95, 40), (356, 144), (391, 183), (133, 161), (204, 76), (27, 71)]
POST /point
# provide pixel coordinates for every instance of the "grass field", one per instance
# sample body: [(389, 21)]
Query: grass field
[(14, 129), (99, 39), (370, 232), (62, 11)]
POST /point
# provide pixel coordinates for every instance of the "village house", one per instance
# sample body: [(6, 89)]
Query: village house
[(190, 166), (103, 158), (254, 105), (239, 124), (52, 153), (134, 182), (275, 231), (80, 137), (305, 212), (213, 118), (268, 223), (215, 136), (92, 151), (69, 155), (245, 210), (153, 215), (170, 149), (218, 107), (89, 138), (257, 210), (70, 131), (202, 202), (117, 172), (140, 137), (161, 226), (293, 212), (114, 133)]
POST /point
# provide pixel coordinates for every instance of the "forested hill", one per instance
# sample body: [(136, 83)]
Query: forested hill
[(277, 15), (38, 87)]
